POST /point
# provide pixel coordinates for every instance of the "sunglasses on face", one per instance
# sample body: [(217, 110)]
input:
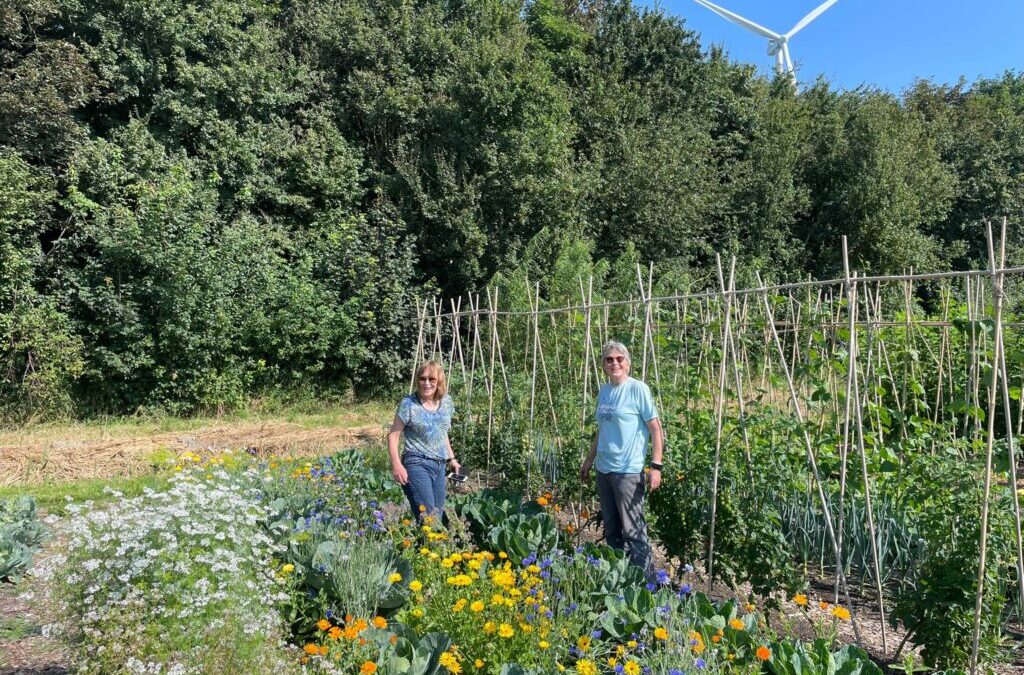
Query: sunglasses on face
[(614, 359), (428, 379)]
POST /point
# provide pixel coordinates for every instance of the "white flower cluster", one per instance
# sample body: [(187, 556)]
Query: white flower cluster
[(151, 582)]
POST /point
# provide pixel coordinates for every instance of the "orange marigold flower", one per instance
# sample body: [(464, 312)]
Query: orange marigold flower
[(736, 624), (542, 501), (380, 622), (323, 650), (841, 613), (311, 648), (800, 599), (660, 633), (763, 653), (368, 668), (323, 624), (823, 605), (334, 633)]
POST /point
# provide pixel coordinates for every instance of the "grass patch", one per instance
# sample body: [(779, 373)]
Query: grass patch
[(18, 628), (52, 497), (307, 414)]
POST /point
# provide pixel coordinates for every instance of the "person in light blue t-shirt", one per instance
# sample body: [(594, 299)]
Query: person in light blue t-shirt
[(626, 420)]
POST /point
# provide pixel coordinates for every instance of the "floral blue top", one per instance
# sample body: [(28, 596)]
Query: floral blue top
[(426, 431)]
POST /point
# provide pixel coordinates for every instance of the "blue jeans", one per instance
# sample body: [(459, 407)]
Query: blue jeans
[(426, 486)]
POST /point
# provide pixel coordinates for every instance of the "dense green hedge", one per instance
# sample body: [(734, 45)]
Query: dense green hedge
[(199, 201)]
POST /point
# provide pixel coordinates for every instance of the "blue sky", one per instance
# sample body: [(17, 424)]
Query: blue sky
[(883, 43)]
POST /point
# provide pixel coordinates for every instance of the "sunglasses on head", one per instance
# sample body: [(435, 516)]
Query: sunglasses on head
[(614, 359)]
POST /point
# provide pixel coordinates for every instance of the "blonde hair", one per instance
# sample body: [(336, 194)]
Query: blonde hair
[(435, 369)]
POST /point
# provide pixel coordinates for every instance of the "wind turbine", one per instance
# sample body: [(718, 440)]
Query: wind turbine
[(778, 43)]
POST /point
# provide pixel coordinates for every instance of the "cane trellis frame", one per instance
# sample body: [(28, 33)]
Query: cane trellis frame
[(733, 341)]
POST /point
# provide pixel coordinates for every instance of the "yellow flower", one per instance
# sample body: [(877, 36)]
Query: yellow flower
[(490, 627), (380, 622), (736, 624), (586, 667), (661, 633), (477, 606), (583, 644), (460, 580), (416, 586), (459, 605), (417, 613), (450, 662), (394, 578), (287, 568), (334, 633), (542, 501), (800, 599), (478, 664), (543, 644), (841, 613), (447, 563), (632, 668), (506, 631)]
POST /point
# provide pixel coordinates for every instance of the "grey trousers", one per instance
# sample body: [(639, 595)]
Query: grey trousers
[(622, 508)]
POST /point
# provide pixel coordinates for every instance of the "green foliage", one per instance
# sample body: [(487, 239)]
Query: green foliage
[(202, 203), (939, 609), (21, 535), (817, 658)]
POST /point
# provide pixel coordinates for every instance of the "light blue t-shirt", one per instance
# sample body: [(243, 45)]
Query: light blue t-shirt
[(622, 434), (426, 430)]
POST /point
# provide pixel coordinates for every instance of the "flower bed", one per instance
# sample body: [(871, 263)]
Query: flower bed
[(229, 564)]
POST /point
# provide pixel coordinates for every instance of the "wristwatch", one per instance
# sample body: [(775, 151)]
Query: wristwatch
[(656, 466)]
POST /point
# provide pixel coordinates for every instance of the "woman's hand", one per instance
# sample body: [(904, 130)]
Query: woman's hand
[(399, 473), (454, 465)]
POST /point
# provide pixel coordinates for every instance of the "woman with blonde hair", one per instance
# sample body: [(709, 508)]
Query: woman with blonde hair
[(424, 418)]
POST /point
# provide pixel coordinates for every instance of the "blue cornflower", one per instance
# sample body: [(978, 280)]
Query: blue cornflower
[(663, 577), (650, 586), (596, 634), (699, 663)]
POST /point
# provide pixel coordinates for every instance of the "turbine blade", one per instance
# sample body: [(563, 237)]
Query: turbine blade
[(737, 19), (815, 13)]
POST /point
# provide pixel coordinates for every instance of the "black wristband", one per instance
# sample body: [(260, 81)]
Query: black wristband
[(451, 459), (656, 466)]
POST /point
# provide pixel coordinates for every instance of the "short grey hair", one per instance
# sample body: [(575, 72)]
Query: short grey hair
[(614, 346)]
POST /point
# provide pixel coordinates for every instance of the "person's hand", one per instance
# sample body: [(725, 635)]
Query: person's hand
[(455, 466), (585, 471), (654, 479), (399, 473)]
